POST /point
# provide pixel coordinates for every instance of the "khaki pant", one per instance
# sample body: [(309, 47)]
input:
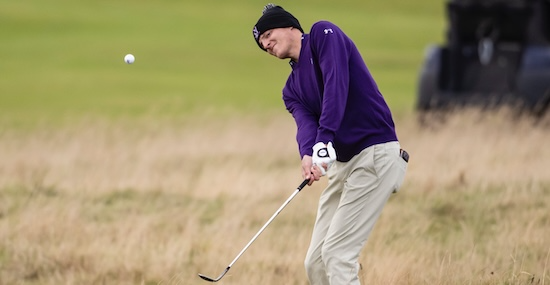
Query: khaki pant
[(348, 209)]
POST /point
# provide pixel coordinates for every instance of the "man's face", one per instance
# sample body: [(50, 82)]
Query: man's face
[(277, 42)]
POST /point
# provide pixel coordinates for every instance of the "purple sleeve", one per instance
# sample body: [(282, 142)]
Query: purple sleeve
[(306, 123), (332, 52)]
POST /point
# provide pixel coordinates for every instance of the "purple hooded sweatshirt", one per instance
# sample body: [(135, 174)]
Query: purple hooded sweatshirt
[(333, 97)]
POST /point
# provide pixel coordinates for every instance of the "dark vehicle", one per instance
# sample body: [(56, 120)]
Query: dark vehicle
[(497, 53)]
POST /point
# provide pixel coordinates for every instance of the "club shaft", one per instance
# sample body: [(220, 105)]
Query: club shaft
[(304, 183), (270, 220)]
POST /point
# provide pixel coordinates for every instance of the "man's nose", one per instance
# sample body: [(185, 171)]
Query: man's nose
[(265, 43)]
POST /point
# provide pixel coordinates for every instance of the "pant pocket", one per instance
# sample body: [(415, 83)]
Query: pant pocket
[(401, 170)]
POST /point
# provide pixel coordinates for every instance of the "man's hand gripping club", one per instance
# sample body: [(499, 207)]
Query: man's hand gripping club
[(313, 168)]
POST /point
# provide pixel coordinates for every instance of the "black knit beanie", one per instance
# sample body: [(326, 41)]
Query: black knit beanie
[(274, 17)]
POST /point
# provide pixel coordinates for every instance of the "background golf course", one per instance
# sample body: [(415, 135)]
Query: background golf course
[(153, 172)]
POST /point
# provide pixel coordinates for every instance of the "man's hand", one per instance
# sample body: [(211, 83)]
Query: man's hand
[(310, 171), (323, 156)]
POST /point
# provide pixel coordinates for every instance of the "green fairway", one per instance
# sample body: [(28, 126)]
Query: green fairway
[(63, 60)]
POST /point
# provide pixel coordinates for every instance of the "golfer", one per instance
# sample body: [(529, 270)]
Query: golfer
[(345, 131)]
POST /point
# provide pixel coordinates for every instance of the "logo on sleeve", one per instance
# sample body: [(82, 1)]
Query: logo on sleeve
[(329, 30)]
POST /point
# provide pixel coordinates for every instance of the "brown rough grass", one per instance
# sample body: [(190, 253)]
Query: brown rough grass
[(157, 203)]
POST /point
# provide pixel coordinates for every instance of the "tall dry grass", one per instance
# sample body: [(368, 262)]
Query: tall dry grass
[(156, 203)]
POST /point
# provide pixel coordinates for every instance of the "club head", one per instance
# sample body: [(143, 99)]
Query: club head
[(209, 279), (204, 277)]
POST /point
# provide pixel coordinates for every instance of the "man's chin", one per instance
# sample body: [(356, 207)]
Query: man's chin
[(278, 55)]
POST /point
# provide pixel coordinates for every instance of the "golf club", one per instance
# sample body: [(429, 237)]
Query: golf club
[(210, 279)]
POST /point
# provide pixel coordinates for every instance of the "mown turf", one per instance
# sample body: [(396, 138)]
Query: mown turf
[(63, 60)]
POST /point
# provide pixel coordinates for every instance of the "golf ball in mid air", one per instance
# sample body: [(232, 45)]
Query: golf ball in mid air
[(129, 58)]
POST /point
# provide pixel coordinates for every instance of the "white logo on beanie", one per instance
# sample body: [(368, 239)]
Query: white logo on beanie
[(256, 33)]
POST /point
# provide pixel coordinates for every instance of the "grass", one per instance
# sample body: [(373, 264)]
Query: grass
[(155, 203), (62, 60)]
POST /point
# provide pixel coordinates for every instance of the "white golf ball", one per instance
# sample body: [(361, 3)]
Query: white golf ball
[(129, 58)]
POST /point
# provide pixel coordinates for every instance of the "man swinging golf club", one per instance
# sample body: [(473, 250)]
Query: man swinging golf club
[(345, 131)]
